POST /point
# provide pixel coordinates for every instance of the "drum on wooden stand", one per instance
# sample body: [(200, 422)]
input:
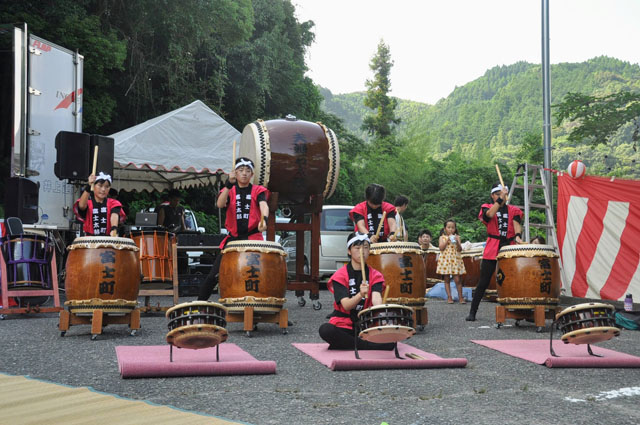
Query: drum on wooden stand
[(197, 324), (102, 273), (156, 255), (253, 274), (386, 323), (586, 323), (403, 269), (528, 275), (28, 261), (297, 159), (430, 265)]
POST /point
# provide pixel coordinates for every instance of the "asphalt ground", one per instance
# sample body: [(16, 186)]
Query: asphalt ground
[(493, 388)]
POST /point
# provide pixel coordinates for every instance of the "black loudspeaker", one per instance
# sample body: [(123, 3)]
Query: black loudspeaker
[(72, 156), (105, 153), (21, 199)]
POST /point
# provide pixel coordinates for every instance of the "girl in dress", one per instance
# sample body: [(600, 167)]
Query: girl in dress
[(450, 262)]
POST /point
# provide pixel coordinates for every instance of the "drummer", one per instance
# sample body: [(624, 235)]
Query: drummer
[(401, 203), (503, 228), (247, 214), (367, 215), (99, 214), (351, 296)]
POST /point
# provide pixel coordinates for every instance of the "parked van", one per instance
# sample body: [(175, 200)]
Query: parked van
[(335, 226)]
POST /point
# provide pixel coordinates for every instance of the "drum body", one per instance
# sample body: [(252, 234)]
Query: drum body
[(253, 273), (402, 266), (28, 260), (102, 273), (156, 254), (528, 275), (472, 259), (587, 323), (197, 324), (386, 323), (430, 265), (297, 159)]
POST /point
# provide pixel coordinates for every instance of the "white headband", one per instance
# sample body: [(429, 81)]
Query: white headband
[(242, 162), (498, 188), (103, 176), (358, 237)]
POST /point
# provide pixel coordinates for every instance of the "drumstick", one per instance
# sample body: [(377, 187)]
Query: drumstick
[(364, 274), (261, 220), (384, 215), (95, 164), (501, 181), (386, 292), (233, 165)]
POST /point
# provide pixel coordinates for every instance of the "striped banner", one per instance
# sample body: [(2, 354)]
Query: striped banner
[(599, 236)]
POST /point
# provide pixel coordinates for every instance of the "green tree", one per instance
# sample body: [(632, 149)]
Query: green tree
[(598, 118), (381, 123), (531, 149)]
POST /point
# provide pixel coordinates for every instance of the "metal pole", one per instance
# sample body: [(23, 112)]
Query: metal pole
[(546, 97)]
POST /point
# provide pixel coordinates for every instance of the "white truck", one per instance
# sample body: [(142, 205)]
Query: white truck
[(44, 83)]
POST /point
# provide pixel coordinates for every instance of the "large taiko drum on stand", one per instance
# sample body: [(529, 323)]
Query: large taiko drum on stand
[(472, 259), (253, 274), (156, 255), (197, 324), (430, 265), (295, 158), (402, 266), (28, 261), (102, 273), (528, 276), (386, 323), (587, 323)]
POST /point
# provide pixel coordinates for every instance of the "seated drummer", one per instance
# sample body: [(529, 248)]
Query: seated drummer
[(424, 239), (367, 215), (99, 214), (503, 228), (171, 215), (351, 296), (245, 204)]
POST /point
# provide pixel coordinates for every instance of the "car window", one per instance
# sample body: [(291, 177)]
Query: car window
[(289, 242), (336, 220), (188, 221)]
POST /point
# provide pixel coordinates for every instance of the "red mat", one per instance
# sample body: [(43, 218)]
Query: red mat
[(152, 361), (570, 355), (376, 359)]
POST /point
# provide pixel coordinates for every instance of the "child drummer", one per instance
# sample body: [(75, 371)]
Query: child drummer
[(99, 214), (367, 215), (352, 295), (247, 214)]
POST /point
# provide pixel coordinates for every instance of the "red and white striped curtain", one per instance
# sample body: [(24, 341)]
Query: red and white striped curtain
[(599, 236)]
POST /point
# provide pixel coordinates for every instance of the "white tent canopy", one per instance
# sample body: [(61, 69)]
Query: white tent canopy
[(187, 147)]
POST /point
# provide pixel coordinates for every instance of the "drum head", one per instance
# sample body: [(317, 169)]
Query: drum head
[(395, 247), (95, 242), (586, 307), (527, 250), (590, 335), (260, 246), (385, 334), (197, 336), (190, 306)]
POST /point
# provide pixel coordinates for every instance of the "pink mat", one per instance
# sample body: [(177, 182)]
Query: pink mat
[(376, 359), (570, 355), (151, 361)]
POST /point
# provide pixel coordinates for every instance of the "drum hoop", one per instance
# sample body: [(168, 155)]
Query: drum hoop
[(195, 303), (472, 253), (525, 302), (584, 306), (395, 248), (596, 330), (109, 306), (528, 251), (409, 302), (254, 246), (383, 306), (334, 161), (121, 244), (218, 332), (252, 301)]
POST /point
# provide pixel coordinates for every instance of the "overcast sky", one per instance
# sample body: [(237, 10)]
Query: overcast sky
[(438, 45)]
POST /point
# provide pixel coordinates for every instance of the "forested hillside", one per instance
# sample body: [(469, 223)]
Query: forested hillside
[(490, 116)]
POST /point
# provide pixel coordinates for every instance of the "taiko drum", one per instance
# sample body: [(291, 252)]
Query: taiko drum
[(587, 323), (253, 273), (102, 270), (472, 259), (528, 275), (197, 324), (402, 266), (297, 159), (28, 261), (386, 323), (431, 264)]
